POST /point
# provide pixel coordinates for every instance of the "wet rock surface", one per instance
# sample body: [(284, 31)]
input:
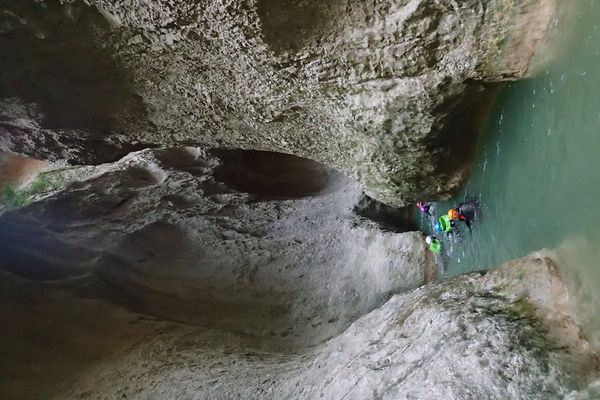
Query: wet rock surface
[(375, 90)]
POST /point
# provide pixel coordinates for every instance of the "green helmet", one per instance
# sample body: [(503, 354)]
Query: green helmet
[(445, 223), (435, 246)]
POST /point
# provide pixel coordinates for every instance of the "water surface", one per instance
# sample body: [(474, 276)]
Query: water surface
[(537, 171)]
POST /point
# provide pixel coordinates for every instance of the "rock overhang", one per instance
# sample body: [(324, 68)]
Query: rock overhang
[(376, 91)]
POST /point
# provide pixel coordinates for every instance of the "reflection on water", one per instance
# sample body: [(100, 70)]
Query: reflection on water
[(537, 173)]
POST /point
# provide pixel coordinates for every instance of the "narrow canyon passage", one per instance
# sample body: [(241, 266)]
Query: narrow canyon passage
[(215, 200), (534, 174)]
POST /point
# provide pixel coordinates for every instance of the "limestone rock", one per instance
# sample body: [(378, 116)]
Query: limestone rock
[(187, 273), (260, 243), (388, 92), (468, 338)]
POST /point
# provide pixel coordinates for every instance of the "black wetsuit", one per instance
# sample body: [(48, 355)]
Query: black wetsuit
[(467, 211)]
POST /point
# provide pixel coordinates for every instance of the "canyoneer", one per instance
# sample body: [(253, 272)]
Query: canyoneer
[(434, 244), (447, 226), (425, 208), (464, 212)]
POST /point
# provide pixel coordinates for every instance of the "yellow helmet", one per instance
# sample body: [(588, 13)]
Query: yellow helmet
[(453, 214)]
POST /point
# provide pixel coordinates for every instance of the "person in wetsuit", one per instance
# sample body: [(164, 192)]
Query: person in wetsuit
[(448, 226), (464, 212), (435, 246), (425, 208)]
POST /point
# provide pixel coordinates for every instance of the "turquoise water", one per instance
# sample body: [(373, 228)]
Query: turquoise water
[(537, 171)]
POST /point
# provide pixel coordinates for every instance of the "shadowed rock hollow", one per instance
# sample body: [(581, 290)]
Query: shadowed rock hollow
[(268, 174)]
